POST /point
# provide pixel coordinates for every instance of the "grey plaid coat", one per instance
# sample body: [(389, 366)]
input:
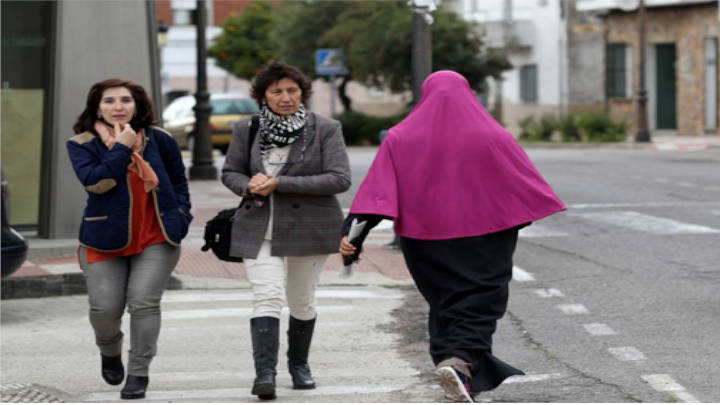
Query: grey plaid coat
[(307, 215)]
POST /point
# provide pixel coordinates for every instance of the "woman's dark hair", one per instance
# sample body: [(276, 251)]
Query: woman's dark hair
[(143, 117), (277, 70)]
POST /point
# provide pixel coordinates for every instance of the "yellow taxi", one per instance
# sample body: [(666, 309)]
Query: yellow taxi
[(227, 109)]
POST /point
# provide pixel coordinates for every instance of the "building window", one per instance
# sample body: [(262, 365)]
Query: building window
[(183, 17), (619, 68), (528, 84)]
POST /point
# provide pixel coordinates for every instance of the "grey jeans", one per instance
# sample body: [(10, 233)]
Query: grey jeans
[(137, 281)]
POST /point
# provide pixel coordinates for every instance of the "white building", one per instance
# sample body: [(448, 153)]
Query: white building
[(534, 31)]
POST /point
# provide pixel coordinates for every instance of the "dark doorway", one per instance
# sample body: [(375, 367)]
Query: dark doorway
[(666, 96)]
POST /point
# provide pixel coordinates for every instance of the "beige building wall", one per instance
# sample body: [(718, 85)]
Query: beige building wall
[(686, 27)]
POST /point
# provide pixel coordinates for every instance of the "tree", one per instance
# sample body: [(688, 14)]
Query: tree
[(299, 32), (375, 36), (246, 42)]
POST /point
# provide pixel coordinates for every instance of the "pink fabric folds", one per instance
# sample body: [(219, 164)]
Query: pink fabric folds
[(449, 170), (137, 163)]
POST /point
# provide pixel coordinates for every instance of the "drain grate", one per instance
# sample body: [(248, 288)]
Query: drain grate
[(21, 392)]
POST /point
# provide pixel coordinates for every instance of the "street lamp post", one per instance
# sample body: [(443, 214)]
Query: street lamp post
[(421, 45), (642, 134), (203, 167)]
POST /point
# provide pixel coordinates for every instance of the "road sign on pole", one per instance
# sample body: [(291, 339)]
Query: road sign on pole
[(330, 62)]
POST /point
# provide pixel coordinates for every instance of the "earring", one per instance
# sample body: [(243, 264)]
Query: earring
[(99, 115)]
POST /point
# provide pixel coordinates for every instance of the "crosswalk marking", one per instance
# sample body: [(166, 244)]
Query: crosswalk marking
[(662, 382), (573, 309), (540, 231), (599, 329), (238, 312), (626, 353), (533, 378), (645, 223), (243, 394), (521, 275), (248, 296), (549, 292), (320, 373)]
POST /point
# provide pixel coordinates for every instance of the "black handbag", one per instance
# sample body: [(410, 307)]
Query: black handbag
[(218, 230)]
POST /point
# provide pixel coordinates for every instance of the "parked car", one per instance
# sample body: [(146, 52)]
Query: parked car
[(14, 246), (227, 109)]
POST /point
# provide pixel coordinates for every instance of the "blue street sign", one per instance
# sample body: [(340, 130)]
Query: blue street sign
[(330, 62)]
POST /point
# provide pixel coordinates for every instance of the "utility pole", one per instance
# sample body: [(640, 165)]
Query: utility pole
[(642, 134), (421, 44), (203, 167)]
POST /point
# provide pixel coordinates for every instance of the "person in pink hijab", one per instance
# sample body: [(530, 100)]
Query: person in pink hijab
[(458, 187)]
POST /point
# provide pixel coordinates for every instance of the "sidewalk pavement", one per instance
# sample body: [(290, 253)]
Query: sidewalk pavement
[(52, 267)]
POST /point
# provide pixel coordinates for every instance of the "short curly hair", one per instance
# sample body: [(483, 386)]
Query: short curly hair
[(275, 71)]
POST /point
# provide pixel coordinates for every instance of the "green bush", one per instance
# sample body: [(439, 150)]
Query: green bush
[(568, 129), (584, 127), (595, 127), (363, 129), (532, 129)]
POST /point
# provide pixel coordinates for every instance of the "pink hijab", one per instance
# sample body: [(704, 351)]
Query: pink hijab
[(449, 170)]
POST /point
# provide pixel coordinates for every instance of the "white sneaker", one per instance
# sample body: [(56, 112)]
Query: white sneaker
[(455, 384)]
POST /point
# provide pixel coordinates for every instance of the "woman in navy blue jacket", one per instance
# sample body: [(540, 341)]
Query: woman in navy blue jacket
[(137, 212)]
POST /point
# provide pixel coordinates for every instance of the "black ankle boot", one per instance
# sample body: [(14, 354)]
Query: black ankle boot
[(265, 333), (113, 371), (135, 387), (299, 337)]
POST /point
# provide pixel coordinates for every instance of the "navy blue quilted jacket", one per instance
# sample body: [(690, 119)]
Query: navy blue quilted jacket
[(103, 172)]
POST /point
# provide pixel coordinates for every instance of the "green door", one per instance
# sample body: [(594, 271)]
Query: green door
[(666, 105)]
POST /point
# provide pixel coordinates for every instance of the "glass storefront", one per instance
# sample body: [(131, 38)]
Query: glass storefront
[(24, 84)]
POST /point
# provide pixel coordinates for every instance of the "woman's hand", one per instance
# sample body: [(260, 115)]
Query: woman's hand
[(256, 181), (346, 248), (126, 135), (266, 188)]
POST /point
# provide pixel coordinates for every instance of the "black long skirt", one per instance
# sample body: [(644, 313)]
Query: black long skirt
[(465, 282)]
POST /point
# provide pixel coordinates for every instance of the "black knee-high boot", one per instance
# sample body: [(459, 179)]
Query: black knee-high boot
[(299, 337), (265, 333)]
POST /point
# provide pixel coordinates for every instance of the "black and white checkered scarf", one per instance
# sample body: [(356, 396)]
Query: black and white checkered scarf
[(280, 130)]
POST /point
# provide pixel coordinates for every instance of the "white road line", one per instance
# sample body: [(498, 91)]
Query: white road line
[(662, 382), (521, 275), (243, 394), (330, 373), (645, 223), (540, 231), (686, 184), (686, 397), (599, 329), (665, 383), (573, 309), (626, 353), (238, 312), (64, 268), (533, 378), (628, 205), (660, 180), (549, 293), (247, 296)]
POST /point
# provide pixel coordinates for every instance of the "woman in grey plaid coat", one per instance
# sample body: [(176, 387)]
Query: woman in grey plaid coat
[(288, 221)]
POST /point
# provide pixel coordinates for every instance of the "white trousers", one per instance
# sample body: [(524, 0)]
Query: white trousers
[(298, 276)]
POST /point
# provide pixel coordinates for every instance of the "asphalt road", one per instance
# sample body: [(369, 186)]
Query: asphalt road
[(614, 300)]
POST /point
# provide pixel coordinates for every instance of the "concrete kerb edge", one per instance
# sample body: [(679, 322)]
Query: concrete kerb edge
[(74, 284), (54, 285)]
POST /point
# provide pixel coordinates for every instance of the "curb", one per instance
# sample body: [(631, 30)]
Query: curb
[(54, 285)]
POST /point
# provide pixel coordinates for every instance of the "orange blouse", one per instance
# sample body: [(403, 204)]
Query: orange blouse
[(145, 227)]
